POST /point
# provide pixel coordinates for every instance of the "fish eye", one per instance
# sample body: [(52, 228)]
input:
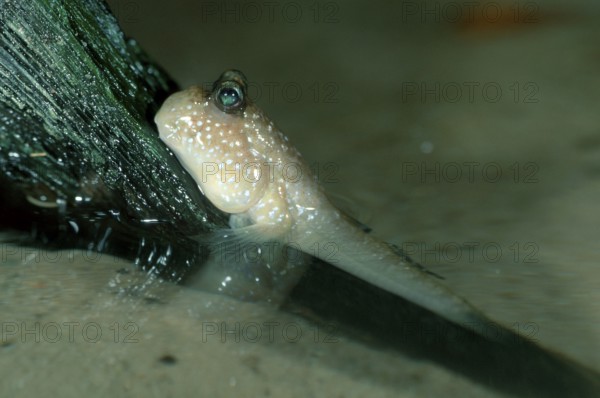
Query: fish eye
[(229, 92), (230, 97)]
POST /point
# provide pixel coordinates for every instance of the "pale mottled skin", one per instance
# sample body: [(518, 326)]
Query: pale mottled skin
[(238, 162), (280, 206)]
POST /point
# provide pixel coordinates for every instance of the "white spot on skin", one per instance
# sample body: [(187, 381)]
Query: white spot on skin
[(187, 120)]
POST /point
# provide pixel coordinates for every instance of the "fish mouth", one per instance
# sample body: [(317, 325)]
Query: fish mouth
[(176, 107)]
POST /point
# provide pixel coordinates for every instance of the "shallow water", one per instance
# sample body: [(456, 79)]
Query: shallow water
[(422, 170)]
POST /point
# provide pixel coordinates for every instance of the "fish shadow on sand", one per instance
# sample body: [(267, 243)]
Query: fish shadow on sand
[(496, 357)]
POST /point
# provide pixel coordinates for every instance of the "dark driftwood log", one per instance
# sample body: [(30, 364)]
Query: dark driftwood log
[(80, 158), (81, 162)]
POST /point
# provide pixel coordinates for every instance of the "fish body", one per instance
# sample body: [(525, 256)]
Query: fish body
[(248, 168)]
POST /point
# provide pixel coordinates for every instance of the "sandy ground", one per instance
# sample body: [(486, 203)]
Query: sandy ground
[(522, 246), (119, 334)]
